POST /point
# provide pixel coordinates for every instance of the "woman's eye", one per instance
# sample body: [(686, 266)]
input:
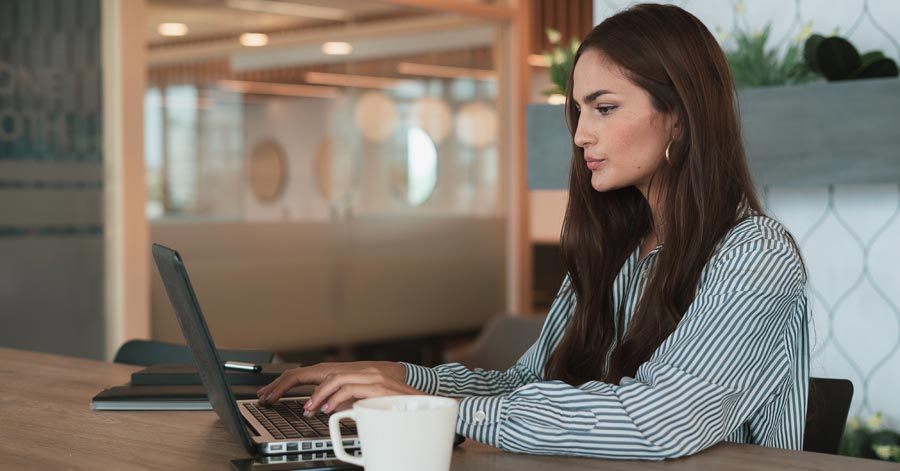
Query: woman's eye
[(606, 109)]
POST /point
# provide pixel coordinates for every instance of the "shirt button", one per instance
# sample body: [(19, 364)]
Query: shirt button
[(480, 416)]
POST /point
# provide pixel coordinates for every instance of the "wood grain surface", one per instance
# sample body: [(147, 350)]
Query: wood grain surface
[(46, 423)]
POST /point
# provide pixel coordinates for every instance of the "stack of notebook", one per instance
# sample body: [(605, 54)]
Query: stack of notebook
[(178, 387)]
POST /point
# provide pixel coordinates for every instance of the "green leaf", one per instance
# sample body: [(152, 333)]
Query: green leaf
[(753, 64), (880, 68), (556, 75), (886, 437), (809, 51), (857, 442), (837, 58), (871, 56)]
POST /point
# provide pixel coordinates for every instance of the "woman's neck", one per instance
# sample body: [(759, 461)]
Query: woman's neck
[(650, 242)]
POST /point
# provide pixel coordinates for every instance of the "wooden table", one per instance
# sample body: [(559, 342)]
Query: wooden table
[(46, 423)]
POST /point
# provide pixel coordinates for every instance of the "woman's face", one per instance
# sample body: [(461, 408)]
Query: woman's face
[(623, 136)]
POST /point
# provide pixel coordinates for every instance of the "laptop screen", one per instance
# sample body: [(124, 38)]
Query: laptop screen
[(196, 334)]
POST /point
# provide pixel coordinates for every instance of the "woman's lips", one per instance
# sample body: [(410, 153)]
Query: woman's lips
[(594, 164)]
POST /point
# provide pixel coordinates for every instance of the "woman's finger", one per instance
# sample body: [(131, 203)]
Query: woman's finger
[(333, 383), (265, 389), (301, 372), (286, 381), (354, 392), (350, 393), (343, 406), (314, 374)]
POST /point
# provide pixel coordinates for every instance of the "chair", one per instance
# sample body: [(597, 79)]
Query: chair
[(826, 414), (150, 352), (500, 343)]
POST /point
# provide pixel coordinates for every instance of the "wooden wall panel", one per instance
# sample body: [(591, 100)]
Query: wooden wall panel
[(572, 18)]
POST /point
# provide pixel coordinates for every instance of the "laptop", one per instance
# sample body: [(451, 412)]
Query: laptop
[(279, 429)]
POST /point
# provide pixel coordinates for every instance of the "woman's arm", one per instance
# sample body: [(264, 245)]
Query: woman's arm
[(739, 347)]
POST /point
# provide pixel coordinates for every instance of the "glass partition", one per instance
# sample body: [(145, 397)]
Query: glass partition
[(346, 175)]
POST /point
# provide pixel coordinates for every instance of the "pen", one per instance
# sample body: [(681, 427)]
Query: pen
[(238, 365)]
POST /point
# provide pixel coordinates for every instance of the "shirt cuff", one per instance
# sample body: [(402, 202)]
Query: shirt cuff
[(480, 418), (422, 378)]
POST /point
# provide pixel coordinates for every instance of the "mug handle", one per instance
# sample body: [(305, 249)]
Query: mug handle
[(334, 429)]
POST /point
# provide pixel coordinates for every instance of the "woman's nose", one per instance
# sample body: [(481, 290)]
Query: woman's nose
[(581, 138)]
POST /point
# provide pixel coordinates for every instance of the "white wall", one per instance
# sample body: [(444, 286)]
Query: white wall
[(868, 24), (848, 236)]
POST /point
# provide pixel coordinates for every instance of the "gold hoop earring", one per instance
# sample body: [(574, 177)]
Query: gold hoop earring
[(667, 151)]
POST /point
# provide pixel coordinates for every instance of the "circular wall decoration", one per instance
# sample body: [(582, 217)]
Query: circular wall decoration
[(433, 116), (412, 177), (267, 170), (476, 124), (375, 116)]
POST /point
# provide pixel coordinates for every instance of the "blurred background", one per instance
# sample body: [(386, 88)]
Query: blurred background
[(377, 179)]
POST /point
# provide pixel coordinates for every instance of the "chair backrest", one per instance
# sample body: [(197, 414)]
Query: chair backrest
[(500, 344), (826, 414), (151, 352)]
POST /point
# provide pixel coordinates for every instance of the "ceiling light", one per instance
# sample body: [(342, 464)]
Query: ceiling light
[(254, 39), (172, 29), (337, 48)]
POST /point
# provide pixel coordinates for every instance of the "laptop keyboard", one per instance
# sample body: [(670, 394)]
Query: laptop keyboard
[(284, 420)]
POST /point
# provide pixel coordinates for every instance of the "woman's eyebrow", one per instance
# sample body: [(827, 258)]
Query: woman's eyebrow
[(594, 95)]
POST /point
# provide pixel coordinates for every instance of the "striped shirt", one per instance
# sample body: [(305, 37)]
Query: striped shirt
[(736, 367)]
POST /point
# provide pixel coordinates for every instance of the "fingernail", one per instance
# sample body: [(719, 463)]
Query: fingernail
[(325, 408), (307, 414)]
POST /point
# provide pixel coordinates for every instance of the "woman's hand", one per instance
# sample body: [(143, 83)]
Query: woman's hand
[(339, 391), (340, 384)]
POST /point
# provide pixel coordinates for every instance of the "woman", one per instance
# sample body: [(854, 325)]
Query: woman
[(683, 319)]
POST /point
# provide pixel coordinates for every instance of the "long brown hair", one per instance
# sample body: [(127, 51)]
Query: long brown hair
[(669, 53)]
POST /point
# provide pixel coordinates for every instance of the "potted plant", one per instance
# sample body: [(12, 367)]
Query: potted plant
[(837, 59), (870, 440)]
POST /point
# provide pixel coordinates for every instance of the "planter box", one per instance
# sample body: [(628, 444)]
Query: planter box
[(813, 134)]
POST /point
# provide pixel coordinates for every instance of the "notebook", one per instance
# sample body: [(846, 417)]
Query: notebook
[(171, 397)]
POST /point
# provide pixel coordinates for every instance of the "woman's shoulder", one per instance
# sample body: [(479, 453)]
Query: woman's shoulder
[(756, 226), (754, 233)]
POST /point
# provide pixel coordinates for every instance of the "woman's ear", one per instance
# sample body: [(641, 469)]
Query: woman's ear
[(676, 132)]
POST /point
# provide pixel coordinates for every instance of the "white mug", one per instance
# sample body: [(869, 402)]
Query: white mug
[(400, 433)]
